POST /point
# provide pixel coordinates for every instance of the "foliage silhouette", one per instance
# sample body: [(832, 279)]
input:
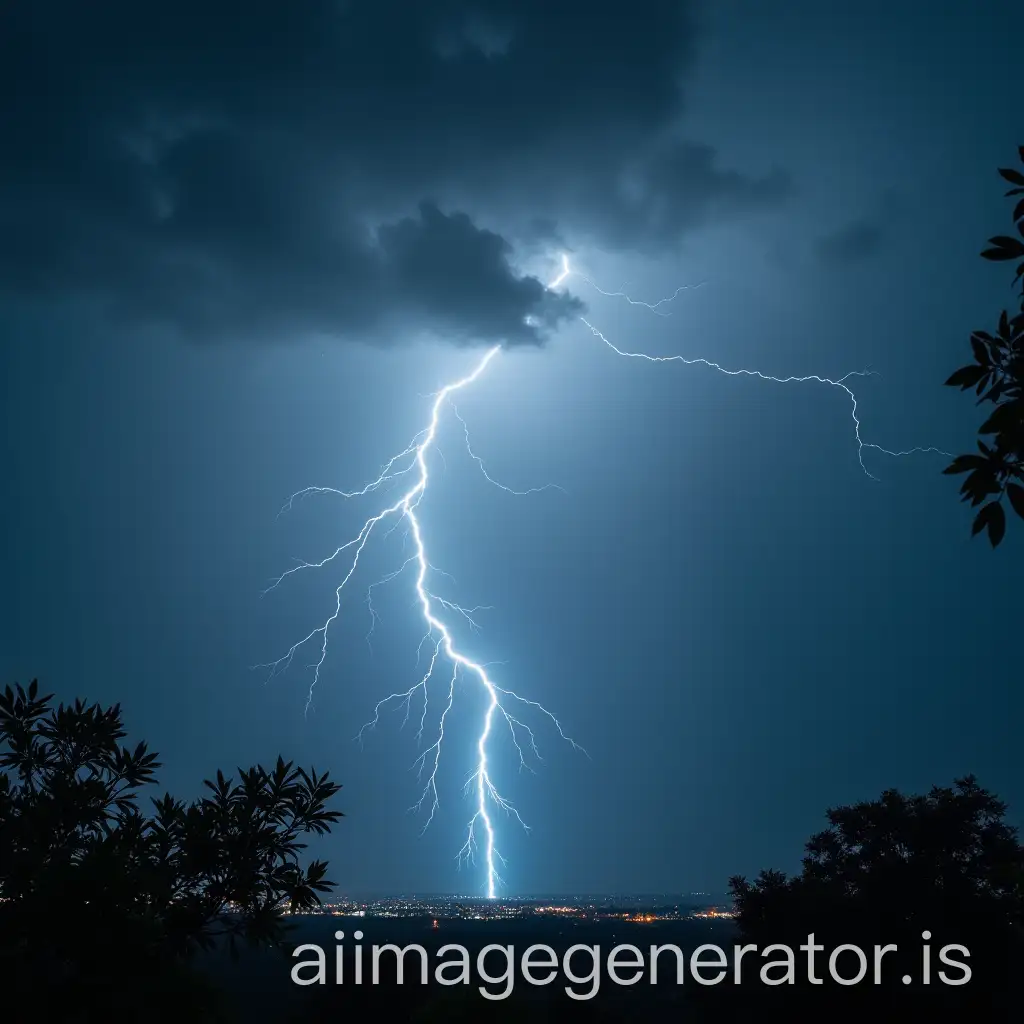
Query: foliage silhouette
[(100, 902), (997, 376), (888, 870)]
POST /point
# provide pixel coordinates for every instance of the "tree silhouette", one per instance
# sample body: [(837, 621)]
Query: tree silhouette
[(997, 376), (100, 902), (891, 869)]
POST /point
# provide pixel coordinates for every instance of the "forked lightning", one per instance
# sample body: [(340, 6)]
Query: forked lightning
[(437, 613)]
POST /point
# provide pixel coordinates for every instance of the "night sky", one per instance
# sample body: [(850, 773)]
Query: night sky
[(243, 244)]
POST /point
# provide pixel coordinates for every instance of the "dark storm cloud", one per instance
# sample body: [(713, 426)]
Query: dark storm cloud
[(342, 167)]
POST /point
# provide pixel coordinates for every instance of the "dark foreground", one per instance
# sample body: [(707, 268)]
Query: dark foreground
[(259, 987)]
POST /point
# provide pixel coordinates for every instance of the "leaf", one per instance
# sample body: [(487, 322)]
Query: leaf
[(996, 524), (980, 352), (1004, 419), (979, 485), (1016, 495), (1018, 210), (1004, 248), (993, 518), (965, 463), (1012, 176), (967, 377)]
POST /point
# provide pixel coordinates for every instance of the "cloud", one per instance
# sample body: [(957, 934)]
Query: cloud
[(446, 271), (351, 168)]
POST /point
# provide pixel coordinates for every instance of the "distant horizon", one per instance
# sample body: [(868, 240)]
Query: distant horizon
[(539, 895)]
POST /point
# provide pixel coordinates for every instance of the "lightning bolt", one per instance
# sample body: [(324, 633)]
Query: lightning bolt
[(567, 271), (413, 461), (437, 613)]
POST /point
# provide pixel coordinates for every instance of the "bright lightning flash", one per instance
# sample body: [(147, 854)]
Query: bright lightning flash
[(412, 462)]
